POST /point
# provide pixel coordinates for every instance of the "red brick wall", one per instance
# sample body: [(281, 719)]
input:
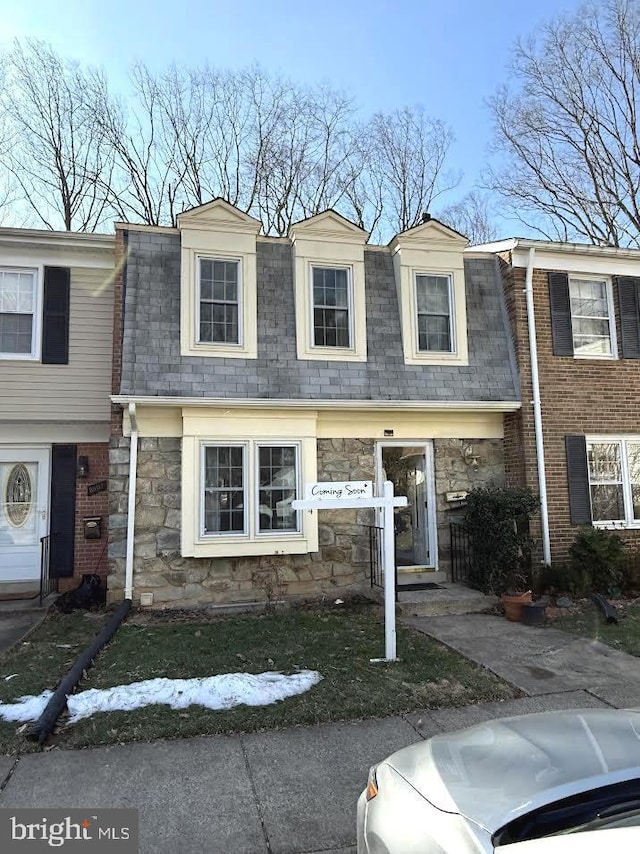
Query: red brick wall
[(90, 555), (577, 396)]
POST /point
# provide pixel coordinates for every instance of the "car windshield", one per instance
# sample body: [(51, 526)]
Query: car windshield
[(617, 805)]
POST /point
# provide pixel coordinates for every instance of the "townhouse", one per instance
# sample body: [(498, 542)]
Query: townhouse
[(574, 313), (247, 366), (56, 330)]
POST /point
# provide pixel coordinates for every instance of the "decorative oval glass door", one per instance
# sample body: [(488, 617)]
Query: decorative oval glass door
[(24, 491)]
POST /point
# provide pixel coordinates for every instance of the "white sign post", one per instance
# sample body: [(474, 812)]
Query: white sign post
[(355, 494)]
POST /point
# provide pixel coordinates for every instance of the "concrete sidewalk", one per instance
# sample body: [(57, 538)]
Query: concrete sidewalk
[(294, 791)]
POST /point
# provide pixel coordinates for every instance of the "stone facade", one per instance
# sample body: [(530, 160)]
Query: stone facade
[(453, 474), (340, 566)]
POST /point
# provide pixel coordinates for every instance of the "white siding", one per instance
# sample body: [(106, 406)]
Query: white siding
[(80, 390)]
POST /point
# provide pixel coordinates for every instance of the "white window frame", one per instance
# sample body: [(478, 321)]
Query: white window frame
[(328, 348), (36, 322), (452, 326), (203, 454), (232, 345), (251, 478), (613, 338), (275, 534), (627, 497)]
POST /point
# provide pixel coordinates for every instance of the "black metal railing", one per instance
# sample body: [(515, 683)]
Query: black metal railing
[(376, 559), (461, 554), (47, 584)]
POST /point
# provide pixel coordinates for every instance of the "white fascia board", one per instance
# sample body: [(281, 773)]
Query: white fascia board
[(283, 403)]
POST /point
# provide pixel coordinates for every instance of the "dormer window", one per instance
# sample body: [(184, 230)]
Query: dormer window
[(329, 287), (428, 265), (218, 287), (331, 307), (433, 307), (219, 301)]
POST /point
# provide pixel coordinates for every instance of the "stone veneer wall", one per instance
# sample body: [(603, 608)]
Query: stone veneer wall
[(340, 566), (453, 474)]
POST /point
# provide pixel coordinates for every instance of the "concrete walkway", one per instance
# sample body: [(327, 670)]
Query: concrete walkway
[(539, 660), (294, 791)]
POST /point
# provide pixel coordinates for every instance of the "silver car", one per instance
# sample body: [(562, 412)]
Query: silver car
[(504, 784)]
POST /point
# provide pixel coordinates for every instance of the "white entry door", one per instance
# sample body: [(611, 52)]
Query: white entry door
[(24, 511)]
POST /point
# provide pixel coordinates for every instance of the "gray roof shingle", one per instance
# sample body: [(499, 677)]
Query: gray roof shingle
[(153, 366)]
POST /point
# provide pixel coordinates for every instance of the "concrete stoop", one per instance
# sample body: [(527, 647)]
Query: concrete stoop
[(451, 599)]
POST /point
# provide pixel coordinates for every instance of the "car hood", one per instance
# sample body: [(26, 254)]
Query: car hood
[(494, 772)]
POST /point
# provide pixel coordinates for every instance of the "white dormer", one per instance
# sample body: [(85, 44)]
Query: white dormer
[(218, 293), (329, 288), (428, 264)]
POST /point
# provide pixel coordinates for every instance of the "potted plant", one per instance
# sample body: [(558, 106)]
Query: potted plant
[(515, 596)]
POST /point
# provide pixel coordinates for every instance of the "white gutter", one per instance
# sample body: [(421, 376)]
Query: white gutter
[(289, 403), (131, 507), (537, 410)]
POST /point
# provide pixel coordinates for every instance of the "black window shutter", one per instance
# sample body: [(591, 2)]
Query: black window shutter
[(628, 297), (560, 303), (55, 316), (578, 477), (63, 510)]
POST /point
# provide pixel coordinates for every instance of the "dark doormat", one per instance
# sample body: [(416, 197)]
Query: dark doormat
[(424, 585)]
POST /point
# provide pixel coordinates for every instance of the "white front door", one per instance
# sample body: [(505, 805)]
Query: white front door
[(409, 466), (24, 511)]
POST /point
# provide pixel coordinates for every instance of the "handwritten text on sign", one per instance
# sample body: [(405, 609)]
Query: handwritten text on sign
[(344, 489)]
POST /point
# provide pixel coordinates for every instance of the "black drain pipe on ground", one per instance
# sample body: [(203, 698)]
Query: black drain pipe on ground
[(43, 727)]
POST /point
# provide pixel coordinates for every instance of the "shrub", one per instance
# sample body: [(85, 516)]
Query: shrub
[(558, 579), (497, 520), (599, 555)]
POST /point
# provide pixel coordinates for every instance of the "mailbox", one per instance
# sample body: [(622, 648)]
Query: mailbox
[(92, 527)]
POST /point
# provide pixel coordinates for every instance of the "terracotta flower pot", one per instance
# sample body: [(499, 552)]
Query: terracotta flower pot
[(513, 604)]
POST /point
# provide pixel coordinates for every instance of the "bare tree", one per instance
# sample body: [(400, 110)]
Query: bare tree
[(407, 154), (54, 148), (570, 132), (471, 216), (147, 180)]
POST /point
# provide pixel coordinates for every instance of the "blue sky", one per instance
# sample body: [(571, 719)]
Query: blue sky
[(449, 56)]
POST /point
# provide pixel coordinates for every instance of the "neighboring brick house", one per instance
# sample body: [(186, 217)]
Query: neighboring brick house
[(56, 330), (585, 306), (246, 366)]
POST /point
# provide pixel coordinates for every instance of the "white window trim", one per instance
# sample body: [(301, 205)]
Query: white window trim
[(628, 522), (321, 348), (613, 336), (239, 345), (452, 309), (277, 534), (36, 324), (251, 533), (245, 490)]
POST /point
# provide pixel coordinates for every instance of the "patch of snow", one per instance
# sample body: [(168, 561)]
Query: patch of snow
[(213, 692), (25, 709)]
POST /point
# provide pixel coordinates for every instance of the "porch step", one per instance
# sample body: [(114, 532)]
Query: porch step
[(451, 599)]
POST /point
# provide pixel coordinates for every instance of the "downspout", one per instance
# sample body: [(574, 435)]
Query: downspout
[(537, 410), (131, 507)]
